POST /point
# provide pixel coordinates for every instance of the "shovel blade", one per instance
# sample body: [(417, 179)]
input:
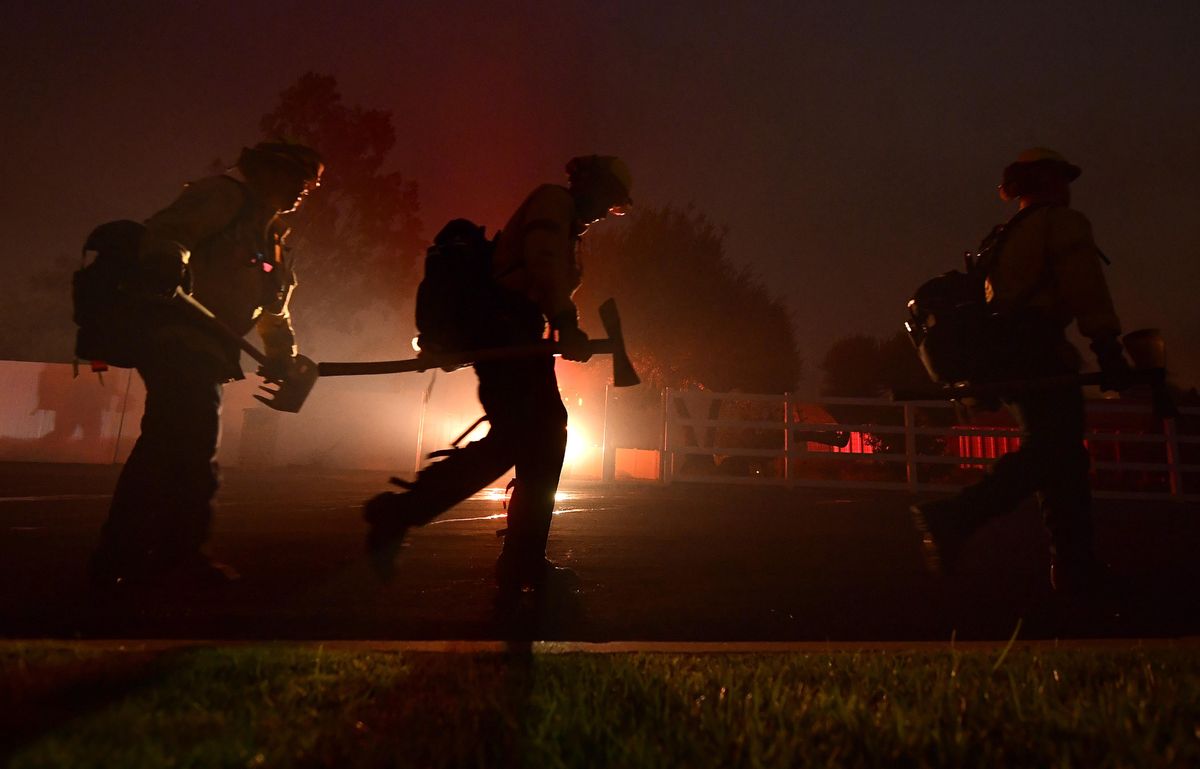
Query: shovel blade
[(291, 392)]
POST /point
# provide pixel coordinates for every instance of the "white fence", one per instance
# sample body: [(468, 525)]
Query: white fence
[(48, 415), (760, 434)]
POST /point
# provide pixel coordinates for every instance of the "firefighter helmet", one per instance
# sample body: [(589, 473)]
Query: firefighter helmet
[(1032, 163), (303, 160), (608, 171)]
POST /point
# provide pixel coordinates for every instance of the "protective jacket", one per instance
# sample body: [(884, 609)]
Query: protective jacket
[(536, 255), (1049, 265), (238, 266), (535, 261)]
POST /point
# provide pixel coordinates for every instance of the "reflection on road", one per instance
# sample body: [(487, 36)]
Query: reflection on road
[(498, 494)]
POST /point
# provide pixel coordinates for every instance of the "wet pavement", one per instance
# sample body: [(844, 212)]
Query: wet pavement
[(679, 563)]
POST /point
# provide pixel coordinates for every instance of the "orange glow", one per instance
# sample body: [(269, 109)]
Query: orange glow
[(492, 494), (582, 459), (577, 444), (642, 464), (454, 428)]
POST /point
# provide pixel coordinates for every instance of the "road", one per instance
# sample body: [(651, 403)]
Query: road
[(678, 563)]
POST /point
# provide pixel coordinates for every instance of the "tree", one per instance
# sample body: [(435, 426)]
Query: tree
[(851, 368), (358, 236), (36, 316), (861, 366), (690, 316)]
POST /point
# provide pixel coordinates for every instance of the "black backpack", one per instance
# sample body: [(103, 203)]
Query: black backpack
[(957, 335), (107, 307), (458, 300), (114, 311)]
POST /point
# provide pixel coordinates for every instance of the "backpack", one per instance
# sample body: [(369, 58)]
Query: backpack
[(114, 312), (106, 307), (956, 334), (458, 300)]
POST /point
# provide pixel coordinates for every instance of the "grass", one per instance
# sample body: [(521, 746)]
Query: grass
[(292, 705)]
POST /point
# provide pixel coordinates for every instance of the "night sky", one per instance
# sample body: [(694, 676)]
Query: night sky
[(852, 149)]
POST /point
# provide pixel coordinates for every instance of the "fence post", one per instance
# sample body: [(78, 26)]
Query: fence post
[(787, 438), (608, 449), (664, 463), (1174, 477), (121, 423), (910, 447), (425, 396)]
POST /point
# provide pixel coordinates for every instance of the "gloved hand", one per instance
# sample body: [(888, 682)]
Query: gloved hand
[(277, 369), (573, 343), (1115, 372), (431, 351)]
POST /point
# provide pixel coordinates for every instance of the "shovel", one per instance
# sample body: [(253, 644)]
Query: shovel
[(291, 390), (624, 374), (1146, 350)]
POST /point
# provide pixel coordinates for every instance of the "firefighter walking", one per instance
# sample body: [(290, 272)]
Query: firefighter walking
[(1047, 274), (222, 238), (535, 263)]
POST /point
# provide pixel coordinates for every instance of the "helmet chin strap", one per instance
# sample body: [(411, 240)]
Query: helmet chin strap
[(589, 209)]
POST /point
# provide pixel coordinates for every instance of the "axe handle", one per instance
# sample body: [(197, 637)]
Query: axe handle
[(204, 317), (435, 360), (1012, 387), (1153, 377)]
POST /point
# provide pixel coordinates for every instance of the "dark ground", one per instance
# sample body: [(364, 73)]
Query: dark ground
[(681, 563)]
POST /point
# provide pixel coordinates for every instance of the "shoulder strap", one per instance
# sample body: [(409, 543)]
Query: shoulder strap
[(243, 212), (993, 244), (247, 207), (1044, 277)]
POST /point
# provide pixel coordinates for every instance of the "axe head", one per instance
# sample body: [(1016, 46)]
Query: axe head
[(290, 392), (623, 372)]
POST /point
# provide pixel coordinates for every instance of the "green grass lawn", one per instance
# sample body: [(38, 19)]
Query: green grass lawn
[(292, 705)]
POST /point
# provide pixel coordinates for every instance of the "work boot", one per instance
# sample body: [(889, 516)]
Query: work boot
[(389, 516), (516, 574), (158, 570), (945, 526), (106, 569), (1078, 574), (200, 571)]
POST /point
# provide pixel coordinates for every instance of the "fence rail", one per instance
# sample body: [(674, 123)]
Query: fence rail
[(685, 435)]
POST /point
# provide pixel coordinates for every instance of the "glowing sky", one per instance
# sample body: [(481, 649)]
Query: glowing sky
[(852, 148)]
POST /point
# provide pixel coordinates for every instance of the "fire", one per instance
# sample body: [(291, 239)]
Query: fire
[(577, 445)]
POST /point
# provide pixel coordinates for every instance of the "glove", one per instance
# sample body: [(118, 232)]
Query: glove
[(277, 369), (1115, 372), (572, 341)]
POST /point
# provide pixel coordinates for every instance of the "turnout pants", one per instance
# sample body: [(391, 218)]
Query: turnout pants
[(528, 431), (1052, 461), (162, 508)]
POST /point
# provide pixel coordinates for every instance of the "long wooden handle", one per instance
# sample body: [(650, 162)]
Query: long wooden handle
[(1017, 386), (205, 318), (446, 360)]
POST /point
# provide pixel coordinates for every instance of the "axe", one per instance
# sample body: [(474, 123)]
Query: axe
[(290, 391), (624, 374), (1146, 350)]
